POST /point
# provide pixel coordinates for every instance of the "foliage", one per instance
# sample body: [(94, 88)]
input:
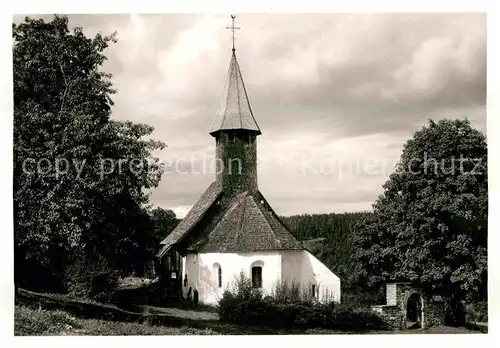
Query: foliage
[(333, 233), (364, 297), (93, 208), (29, 322), (94, 280), (477, 312), (164, 222), (429, 226), (285, 292), (288, 308), (36, 322)]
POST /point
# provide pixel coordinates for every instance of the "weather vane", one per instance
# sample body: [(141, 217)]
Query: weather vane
[(233, 28)]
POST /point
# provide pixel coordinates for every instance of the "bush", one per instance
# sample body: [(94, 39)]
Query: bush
[(36, 322), (360, 319), (93, 280), (477, 312), (288, 309)]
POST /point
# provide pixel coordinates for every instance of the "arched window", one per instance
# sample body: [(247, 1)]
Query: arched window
[(256, 271), (217, 274)]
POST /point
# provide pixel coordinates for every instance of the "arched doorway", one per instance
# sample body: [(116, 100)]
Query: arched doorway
[(414, 312)]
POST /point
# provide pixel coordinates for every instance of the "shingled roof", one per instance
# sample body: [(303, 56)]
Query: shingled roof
[(235, 111), (192, 218), (249, 224)]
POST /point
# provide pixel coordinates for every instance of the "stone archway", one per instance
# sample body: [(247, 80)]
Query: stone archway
[(414, 311)]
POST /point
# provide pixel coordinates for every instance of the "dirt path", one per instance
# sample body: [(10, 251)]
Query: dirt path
[(182, 313)]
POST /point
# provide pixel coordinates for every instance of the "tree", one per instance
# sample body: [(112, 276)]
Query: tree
[(80, 177), (429, 226), (164, 222)]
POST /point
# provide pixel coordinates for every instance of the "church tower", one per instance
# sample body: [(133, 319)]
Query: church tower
[(235, 131)]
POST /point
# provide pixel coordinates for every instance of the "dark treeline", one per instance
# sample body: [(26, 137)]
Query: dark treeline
[(336, 249)]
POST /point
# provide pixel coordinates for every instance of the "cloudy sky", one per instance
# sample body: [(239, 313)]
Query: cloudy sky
[(336, 96)]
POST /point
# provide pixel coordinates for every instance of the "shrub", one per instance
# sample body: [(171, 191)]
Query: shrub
[(355, 319), (287, 308), (94, 280), (35, 322), (477, 312), (287, 293), (364, 298)]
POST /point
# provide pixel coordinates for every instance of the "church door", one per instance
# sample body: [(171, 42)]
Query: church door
[(172, 275)]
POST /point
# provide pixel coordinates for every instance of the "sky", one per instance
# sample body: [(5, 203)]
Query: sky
[(335, 95)]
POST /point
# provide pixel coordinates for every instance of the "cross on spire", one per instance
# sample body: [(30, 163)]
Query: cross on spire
[(233, 28)]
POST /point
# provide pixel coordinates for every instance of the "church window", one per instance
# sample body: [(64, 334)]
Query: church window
[(217, 274), (219, 277), (256, 276), (313, 288), (234, 166)]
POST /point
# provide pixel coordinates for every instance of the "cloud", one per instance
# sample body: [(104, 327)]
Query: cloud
[(337, 88)]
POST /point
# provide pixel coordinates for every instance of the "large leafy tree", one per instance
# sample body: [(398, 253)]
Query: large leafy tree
[(80, 177), (164, 222), (429, 226)]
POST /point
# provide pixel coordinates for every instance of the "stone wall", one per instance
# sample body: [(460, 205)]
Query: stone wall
[(434, 313), (392, 315), (395, 310), (237, 161)]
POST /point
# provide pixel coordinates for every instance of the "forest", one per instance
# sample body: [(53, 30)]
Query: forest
[(329, 237)]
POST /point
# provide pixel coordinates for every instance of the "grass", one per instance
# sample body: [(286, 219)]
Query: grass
[(32, 322), (49, 314), (41, 322)]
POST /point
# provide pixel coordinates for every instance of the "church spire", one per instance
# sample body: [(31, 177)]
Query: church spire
[(235, 112)]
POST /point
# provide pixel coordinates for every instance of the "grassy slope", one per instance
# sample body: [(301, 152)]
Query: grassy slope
[(52, 322), (33, 322)]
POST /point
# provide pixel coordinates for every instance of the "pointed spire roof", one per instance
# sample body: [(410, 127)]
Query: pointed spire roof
[(235, 111)]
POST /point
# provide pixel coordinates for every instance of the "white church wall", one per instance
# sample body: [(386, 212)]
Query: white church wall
[(189, 268), (327, 282), (291, 266), (299, 266), (202, 275), (303, 268)]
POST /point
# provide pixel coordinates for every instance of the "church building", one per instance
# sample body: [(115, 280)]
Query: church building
[(232, 228)]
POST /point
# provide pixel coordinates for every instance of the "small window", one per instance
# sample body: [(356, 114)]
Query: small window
[(230, 137), (219, 276), (256, 276), (313, 288)]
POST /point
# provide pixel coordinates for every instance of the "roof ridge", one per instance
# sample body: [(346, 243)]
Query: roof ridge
[(238, 76), (272, 212), (193, 217), (247, 98), (240, 222), (268, 224)]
